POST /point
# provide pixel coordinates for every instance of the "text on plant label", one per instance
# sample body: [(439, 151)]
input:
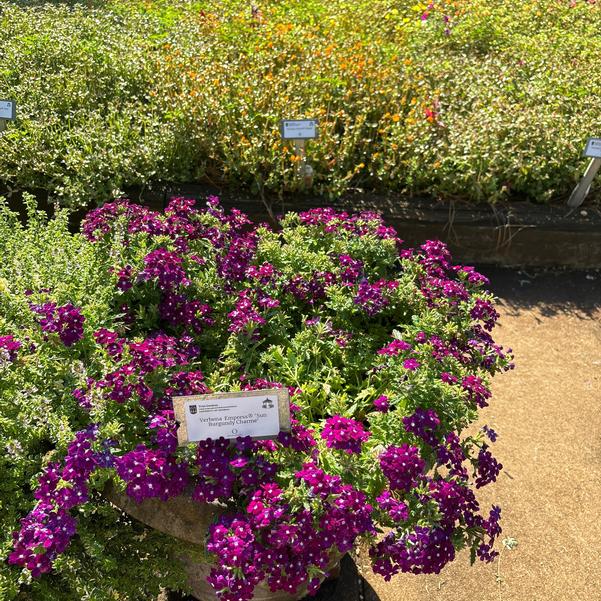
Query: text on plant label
[(298, 129), (257, 413), (7, 109), (593, 148)]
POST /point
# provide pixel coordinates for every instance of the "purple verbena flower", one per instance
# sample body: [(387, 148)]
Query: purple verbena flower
[(397, 510), (66, 321), (487, 468), (411, 364), (244, 316), (394, 348), (9, 346), (352, 269), (492, 435), (370, 297), (381, 404), (165, 267), (424, 550), (344, 434), (402, 466), (477, 392), (485, 311), (424, 424), (448, 378), (111, 341)]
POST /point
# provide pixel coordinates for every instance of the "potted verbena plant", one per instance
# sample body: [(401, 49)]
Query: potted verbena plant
[(386, 353)]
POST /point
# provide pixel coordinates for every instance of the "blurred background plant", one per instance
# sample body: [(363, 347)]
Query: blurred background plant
[(474, 99)]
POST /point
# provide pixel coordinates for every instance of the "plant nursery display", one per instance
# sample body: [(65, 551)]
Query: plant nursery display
[(385, 352), (477, 100)]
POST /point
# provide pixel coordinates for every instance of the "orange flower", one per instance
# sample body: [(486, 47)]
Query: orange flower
[(430, 115)]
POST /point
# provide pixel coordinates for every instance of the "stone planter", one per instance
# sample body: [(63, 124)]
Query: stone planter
[(189, 521)]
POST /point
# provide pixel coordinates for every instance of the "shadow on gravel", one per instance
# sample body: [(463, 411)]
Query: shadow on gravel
[(551, 291), (349, 586)]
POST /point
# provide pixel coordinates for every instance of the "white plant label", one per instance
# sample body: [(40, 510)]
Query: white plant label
[(7, 109), (593, 148), (298, 129), (260, 414)]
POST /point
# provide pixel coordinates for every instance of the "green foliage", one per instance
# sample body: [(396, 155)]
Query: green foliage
[(38, 417), (129, 93), (331, 306)]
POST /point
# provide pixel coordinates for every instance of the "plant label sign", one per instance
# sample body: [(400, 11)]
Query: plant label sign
[(7, 109), (260, 414), (593, 148), (298, 129)]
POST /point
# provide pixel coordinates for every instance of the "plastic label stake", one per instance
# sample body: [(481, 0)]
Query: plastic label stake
[(580, 192)]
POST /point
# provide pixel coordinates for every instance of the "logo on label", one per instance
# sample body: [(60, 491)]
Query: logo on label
[(193, 409), (267, 404)]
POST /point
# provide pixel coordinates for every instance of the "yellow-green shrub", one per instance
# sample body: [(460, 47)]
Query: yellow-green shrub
[(478, 99)]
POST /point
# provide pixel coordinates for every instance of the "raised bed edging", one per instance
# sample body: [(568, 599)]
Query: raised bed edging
[(520, 234)]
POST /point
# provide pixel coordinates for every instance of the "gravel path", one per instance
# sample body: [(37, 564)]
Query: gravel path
[(548, 415)]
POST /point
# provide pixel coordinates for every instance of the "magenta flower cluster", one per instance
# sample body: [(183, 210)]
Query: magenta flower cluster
[(424, 550), (288, 548), (152, 473), (424, 424), (165, 268), (382, 404), (373, 298), (476, 390), (47, 530), (488, 468), (203, 298), (225, 470), (300, 438), (392, 349), (344, 434), (9, 347), (402, 466), (245, 317), (66, 321)]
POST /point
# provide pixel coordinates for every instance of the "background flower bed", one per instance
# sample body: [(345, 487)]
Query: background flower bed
[(385, 350), (474, 99)]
